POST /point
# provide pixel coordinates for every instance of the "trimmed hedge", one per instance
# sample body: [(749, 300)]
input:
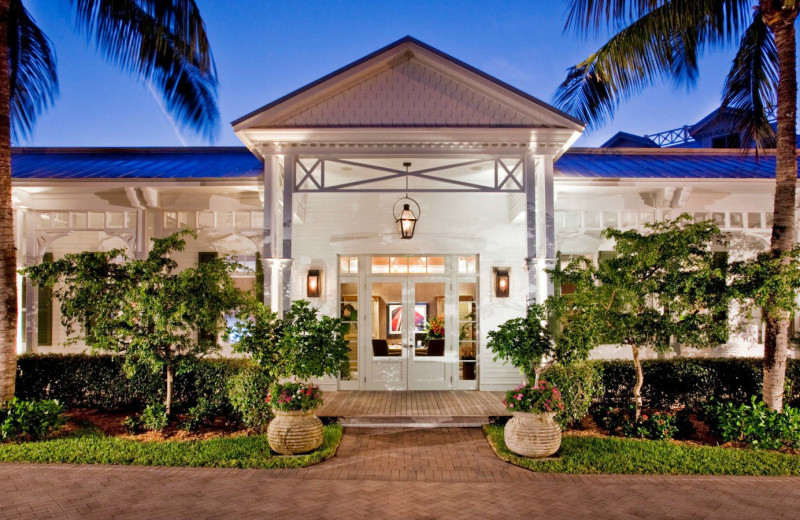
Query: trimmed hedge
[(97, 381), (691, 381)]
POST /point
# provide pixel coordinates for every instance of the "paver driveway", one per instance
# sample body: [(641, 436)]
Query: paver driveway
[(442, 473)]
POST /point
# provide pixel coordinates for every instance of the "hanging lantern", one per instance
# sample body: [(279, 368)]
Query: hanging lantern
[(501, 283), (407, 220)]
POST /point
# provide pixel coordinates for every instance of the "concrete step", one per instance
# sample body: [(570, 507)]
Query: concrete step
[(415, 421)]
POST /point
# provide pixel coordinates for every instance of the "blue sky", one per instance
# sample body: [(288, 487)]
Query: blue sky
[(265, 49)]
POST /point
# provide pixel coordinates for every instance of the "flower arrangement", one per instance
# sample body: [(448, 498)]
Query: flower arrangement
[(288, 397), (541, 398), (435, 328)]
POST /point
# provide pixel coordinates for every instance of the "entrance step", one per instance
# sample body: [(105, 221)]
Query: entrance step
[(415, 421)]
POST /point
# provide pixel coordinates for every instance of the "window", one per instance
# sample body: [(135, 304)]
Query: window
[(408, 264), (348, 305), (726, 141), (348, 264)]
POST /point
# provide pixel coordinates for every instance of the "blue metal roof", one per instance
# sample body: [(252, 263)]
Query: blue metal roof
[(238, 162), (134, 163), (655, 164)]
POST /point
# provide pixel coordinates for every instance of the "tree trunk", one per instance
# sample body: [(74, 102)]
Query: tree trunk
[(781, 23), (637, 388), (168, 398), (8, 253)]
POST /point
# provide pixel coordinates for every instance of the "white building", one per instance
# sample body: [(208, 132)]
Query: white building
[(315, 195)]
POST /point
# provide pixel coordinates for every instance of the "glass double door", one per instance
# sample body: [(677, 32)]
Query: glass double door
[(408, 344)]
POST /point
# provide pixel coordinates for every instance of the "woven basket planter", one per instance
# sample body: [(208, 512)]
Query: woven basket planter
[(533, 434), (290, 433)]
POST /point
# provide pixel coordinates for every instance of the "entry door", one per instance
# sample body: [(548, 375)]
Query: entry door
[(398, 355), (429, 359)]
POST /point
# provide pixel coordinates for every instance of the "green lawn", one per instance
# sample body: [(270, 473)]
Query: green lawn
[(88, 446), (630, 456)]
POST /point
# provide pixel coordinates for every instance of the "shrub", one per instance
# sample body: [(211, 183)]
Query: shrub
[(541, 398), (755, 424), (622, 420), (132, 424), (154, 417), (290, 396), (580, 384), (35, 419), (98, 381), (203, 413), (247, 391), (690, 382), (656, 426)]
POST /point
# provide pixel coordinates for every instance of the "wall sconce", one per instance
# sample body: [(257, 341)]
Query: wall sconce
[(501, 283), (313, 283)]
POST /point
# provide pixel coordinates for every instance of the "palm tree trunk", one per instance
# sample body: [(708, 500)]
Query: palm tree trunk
[(783, 229), (168, 398), (8, 253)]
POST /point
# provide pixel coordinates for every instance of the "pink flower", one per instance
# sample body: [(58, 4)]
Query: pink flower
[(644, 417), (519, 397)]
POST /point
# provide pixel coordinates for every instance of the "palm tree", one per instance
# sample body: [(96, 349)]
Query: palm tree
[(656, 40), (161, 42)]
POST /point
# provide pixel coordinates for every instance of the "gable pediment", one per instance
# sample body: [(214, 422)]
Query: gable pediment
[(407, 84)]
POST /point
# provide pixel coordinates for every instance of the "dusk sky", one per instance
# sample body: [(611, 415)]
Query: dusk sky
[(265, 49)]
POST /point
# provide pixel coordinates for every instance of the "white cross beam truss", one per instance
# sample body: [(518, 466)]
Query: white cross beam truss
[(485, 174)]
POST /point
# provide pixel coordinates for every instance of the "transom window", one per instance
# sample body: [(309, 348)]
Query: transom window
[(407, 264)]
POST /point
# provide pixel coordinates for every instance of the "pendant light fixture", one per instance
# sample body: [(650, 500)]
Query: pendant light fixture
[(407, 219)]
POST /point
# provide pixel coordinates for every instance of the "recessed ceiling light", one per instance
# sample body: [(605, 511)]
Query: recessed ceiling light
[(476, 168), (346, 168)]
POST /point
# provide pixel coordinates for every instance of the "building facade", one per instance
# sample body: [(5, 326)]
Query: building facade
[(318, 194)]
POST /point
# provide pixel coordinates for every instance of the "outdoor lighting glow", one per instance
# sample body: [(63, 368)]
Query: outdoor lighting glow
[(501, 283), (407, 222), (313, 283)]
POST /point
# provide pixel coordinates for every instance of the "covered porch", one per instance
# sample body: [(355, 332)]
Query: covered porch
[(413, 408)]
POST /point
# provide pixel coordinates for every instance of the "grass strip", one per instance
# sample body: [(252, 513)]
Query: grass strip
[(88, 446), (614, 455)]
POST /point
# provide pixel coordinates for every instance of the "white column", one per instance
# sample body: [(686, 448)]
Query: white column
[(288, 214), (268, 252), (141, 241), (529, 173), (32, 257), (545, 217)]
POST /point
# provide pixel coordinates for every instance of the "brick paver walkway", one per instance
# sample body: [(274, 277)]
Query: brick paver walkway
[(377, 474)]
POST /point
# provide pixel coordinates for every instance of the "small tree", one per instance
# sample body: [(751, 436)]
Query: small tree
[(146, 310), (528, 343), (300, 344), (661, 285)]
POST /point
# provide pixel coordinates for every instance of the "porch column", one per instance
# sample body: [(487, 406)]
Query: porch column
[(141, 241), (32, 257), (277, 233), (288, 214), (541, 242)]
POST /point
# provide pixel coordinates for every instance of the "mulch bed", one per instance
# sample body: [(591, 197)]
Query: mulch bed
[(110, 423)]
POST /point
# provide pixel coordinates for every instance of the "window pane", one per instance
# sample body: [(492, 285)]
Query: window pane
[(349, 315), (205, 219), (115, 219), (737, 220), (380, 264), (467, 330), (79, 220), (398, 264), (718, 218), (97, 220), (435, 264), (753, 220), (258, 219), (467, 264), (243, 220), (610, 219)]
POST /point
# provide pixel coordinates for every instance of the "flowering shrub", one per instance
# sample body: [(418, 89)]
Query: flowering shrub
[(535, 399), (435, 328), (288, 397), (656, 425)]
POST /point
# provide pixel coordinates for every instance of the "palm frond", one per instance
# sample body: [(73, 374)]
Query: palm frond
[(724, 18), (31, 68), (751, 85), (163, 42), (662, 44)]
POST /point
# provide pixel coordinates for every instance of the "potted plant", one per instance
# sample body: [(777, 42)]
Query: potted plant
[(528, 344), (434, 336), (296, 347), (532, 431), (295, 428)]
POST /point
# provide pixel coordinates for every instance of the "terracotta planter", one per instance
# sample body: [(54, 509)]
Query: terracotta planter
[(533, 434), (290, 433)]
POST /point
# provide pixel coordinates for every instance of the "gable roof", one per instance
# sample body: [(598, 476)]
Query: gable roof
[(404, 76), (625, 139)]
